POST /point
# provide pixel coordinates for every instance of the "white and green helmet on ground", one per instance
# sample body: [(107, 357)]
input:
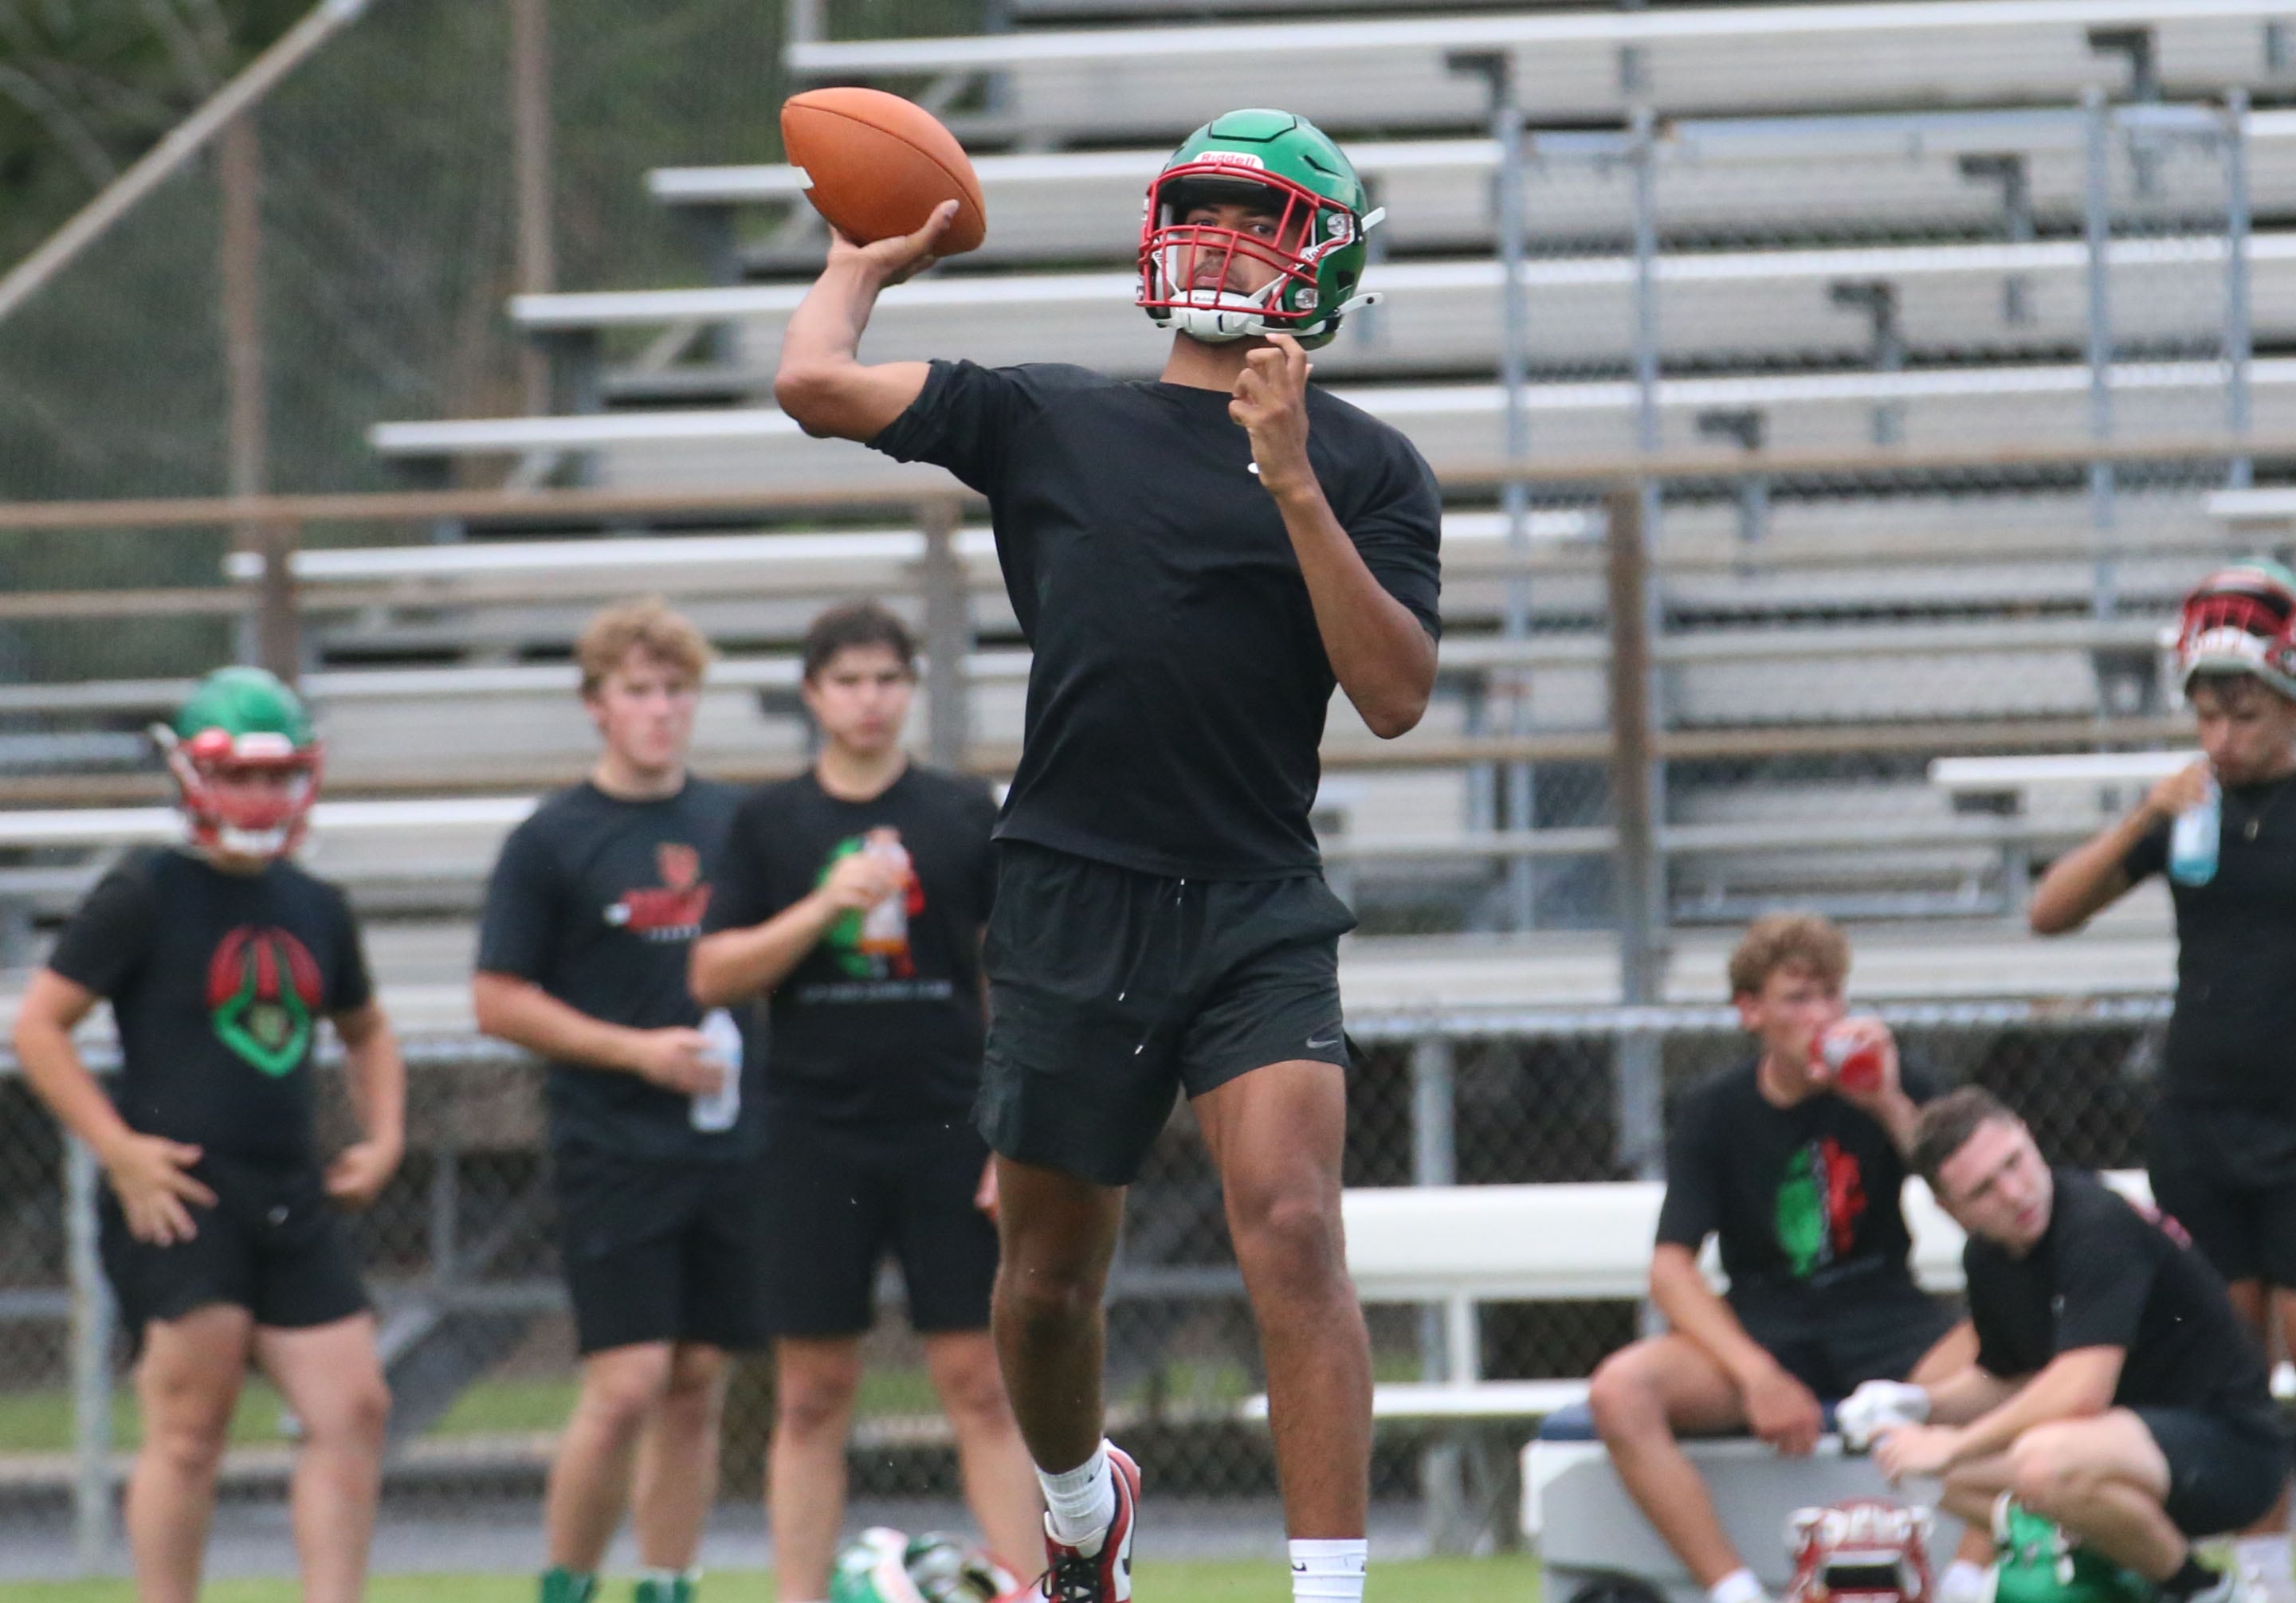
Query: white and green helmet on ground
[(244, 720), (1320, 215), (885, 1566), (2239, 620)]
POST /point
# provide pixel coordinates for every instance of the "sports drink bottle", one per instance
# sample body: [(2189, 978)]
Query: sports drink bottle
[(885, 926), (2193, 840), (1855, 1060), (716, 1111)]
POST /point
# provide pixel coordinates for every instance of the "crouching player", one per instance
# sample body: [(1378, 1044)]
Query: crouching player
[(2115, 1390), (1798, 1172), (221, 1232)]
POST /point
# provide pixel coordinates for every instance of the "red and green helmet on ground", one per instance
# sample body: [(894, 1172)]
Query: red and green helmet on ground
[(1323, 215), (242, 720)]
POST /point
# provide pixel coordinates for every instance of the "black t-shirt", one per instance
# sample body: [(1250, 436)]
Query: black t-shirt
[(2103, 1275), (598, 901), (882, 1020), (217, 983), (2229, 1040), (1806, 1199), (1178, 696)]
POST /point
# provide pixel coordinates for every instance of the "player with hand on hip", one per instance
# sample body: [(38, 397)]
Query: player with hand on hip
[(852, 897), (1196, 561), (221, 1229), (582, 951)]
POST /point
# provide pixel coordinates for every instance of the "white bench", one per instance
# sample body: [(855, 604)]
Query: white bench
[(1393, 73)]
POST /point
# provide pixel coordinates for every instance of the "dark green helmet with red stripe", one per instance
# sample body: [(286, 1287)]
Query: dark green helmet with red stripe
[(1317, 215)]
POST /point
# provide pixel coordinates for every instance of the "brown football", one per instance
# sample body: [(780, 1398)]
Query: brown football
[(876, 166)]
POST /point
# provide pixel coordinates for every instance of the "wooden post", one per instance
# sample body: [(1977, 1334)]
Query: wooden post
[(278, 621), (531, 166), (273, 639), (1641, 873)]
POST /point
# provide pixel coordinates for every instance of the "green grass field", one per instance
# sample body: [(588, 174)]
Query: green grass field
[(1510, 1580)]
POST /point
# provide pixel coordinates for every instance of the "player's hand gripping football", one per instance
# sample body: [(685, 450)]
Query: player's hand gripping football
[(150, 1174), (2180, 792), (361, 1170), (679, 1060), (1782, 1412), (900, 258), (1270, 401)]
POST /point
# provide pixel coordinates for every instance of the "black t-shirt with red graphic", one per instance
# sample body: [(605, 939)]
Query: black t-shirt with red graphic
[(1806, 1199), (598, 901), (217, 983), (882, 1020)]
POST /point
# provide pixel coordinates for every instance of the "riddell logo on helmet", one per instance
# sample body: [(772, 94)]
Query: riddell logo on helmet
[(1232, 159)]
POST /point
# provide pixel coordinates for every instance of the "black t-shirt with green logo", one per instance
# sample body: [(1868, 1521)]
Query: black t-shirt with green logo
[(217, 983), (1806, 1199), (597, 899), (882, 1020)]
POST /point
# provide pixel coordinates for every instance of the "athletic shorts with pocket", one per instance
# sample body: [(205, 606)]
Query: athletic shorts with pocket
[(658, 1251), (1112, 991), (1833, 1353), (274, 1243), (836, 1199), (2227, 1174), (2225, 1470)]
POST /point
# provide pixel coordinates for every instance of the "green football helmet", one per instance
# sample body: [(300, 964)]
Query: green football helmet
[(240, 720), (884, 1566), (2035, 1560), (1318, 214)]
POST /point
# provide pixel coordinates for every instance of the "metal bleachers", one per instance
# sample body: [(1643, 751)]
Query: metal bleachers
[(1397, 72)]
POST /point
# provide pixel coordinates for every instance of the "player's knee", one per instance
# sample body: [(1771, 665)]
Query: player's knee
[(1046, 1300), (360, 1413), (190, 1441), (1622, 1400), (2048, 1473), (816, 1398), (1289, 1241), (621, 1386), (973, 1391)]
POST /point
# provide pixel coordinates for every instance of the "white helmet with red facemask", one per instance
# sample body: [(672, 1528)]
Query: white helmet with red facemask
[(241, 722), (2239, 620), (1860, 1550), (1320, 216)]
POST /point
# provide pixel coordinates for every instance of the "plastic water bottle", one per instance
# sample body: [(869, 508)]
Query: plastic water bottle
[(716, 1111), (2193, 840)]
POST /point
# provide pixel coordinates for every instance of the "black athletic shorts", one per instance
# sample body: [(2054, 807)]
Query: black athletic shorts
[(1110, 991), (1879, 1338), (273, 1244), (2227, 1174), (2225, 1470), (836, 1199), (657, 1251)]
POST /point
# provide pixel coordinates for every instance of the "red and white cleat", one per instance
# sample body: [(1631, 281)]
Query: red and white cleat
[(1102, 1574)]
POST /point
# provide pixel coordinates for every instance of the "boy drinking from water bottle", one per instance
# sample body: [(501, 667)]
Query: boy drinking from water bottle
[(582, 956)]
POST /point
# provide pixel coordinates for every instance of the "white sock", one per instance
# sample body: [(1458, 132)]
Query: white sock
[(2268, 1556), (1323, 1570), (1740, 1585), (1963, 1582), (1080, 1503)]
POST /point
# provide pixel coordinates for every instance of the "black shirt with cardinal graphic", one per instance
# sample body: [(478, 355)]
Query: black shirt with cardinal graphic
[(597, 899), (218, 982)]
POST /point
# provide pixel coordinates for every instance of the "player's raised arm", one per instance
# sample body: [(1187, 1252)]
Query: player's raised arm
[(821, 381), (2094, 874)]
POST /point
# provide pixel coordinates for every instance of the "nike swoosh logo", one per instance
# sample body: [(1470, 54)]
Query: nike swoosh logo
[(1299, 1568), (1316, 1045)]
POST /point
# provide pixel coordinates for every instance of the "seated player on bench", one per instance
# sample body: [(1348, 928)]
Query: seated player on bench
[(2114, 1390), (1800, 1174)]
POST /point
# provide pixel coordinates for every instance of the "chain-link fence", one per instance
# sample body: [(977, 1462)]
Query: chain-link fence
[(459, 1253)]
